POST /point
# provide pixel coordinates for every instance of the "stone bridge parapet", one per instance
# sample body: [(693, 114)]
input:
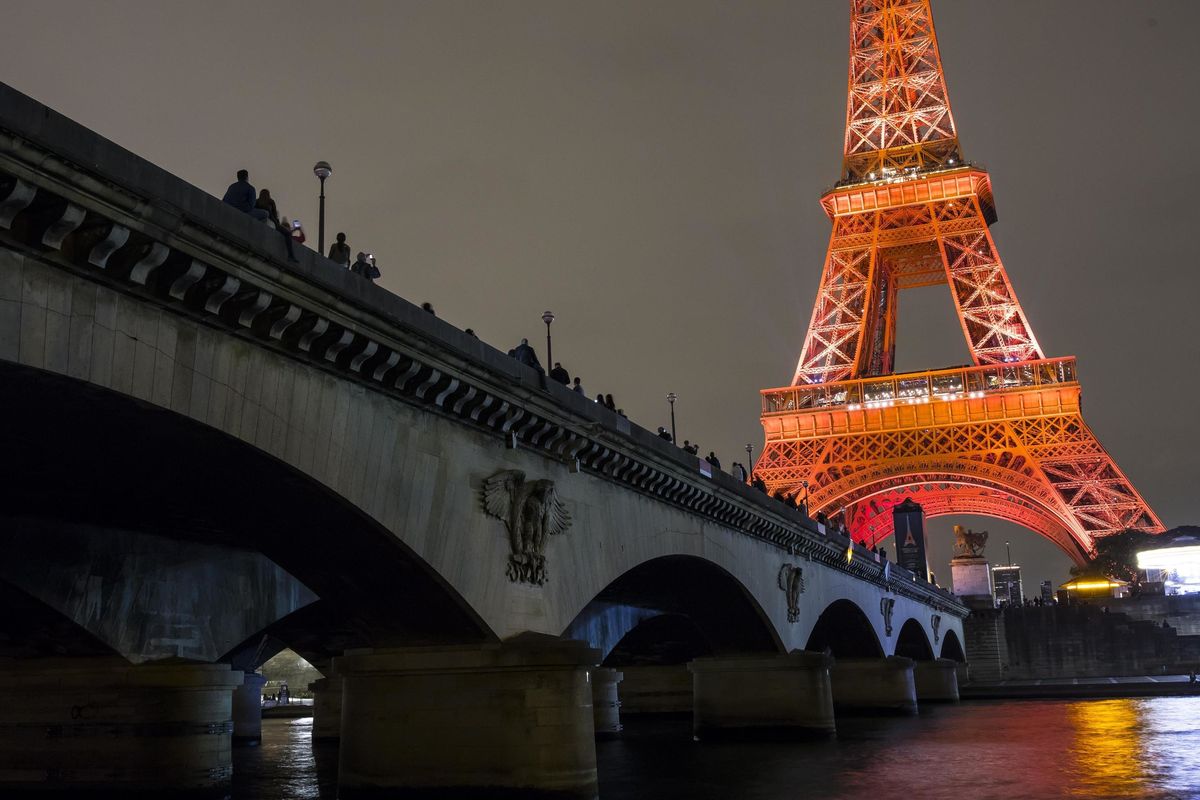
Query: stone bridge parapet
[(98, 211)]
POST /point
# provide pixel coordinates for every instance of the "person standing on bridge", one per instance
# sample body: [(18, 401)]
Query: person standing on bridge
[(561, 375), (526, 355), (267, 204), (578, 387), (339, 251)]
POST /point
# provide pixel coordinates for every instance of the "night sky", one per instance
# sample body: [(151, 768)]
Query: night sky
[(650, 172)]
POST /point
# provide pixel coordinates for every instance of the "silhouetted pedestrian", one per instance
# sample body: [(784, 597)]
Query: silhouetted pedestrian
[(339, 251), (600, 400), (428, 307), (470, 333), (609, 403), (526, 355), (297, 230), (578, 387), (266, 203), (664, 434), (712, 459), (362, 267), (241, 195), (559, 374)]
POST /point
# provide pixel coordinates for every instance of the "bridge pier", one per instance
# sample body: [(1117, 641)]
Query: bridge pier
[(874, 685), (656, 689), (327, 706), (787, 695), (86, 726), (247, 709), (936, 681), (606, 702), (513, 719)]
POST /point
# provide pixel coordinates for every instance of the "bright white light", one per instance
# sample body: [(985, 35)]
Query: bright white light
[(1180, 567)]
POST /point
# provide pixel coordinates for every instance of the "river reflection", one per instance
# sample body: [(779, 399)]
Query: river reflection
[(1146, 748)]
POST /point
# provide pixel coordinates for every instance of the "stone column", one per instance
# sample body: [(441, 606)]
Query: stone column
[(606, 702), (511, 718), (656, 689), (247, 710), (936, 681), (80, 725), (327, 706), (764, 695), (874, 685)]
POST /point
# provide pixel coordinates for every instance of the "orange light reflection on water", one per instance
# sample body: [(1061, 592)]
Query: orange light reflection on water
[(1108, 753)]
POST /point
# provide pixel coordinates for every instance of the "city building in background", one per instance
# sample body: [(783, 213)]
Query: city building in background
[(1007, 580), (1047, 591)]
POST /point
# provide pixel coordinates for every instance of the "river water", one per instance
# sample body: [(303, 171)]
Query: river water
[(1146, 748)]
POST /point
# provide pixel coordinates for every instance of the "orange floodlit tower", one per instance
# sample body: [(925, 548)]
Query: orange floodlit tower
[(1002, 437)]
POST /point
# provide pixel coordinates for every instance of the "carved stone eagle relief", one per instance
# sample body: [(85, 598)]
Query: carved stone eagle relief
[(532, 512)]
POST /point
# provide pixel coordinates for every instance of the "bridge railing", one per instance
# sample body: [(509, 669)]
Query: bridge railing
[(921, 387)]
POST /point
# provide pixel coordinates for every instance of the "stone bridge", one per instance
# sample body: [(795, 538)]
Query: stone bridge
[(212, 453)]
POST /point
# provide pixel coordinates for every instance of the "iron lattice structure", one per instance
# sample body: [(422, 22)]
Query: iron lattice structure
[(1003, 437)]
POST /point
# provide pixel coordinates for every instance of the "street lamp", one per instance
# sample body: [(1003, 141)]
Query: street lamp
[(805, 485), (671, 398), (548, 317), (322, 170)]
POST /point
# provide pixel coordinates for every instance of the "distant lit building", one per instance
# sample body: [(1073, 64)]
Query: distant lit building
[(1175, 562), (1007, 581), (1047, 592)]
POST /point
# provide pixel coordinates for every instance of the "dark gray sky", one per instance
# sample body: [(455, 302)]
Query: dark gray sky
[(650, 171)]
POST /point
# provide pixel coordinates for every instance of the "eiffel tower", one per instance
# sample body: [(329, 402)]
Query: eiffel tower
[(1002, 437)]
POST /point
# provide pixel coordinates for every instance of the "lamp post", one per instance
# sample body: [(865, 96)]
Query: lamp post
[(749, 460), (671, 398), (805, 485), (548, 317), (322, 170)]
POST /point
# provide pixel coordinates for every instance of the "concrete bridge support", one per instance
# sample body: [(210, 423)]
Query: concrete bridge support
[(786, 695), (606, 702), (327, 707), (247, 710), (513, 719), (656, 689), (874, 685), (936, 681), (71, 727)]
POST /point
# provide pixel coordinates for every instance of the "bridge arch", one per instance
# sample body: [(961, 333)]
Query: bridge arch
[(966, 487), (952, 647), (846, 631), (912, 642), (682, 605), (84, 487)]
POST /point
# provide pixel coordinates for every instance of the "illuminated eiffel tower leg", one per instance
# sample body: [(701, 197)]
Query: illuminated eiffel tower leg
[(1003, 437)]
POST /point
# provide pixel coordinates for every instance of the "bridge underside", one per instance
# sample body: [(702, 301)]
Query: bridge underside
[(106, 498)]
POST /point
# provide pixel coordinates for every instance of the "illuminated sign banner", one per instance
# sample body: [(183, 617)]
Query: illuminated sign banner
[(908, 520)]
